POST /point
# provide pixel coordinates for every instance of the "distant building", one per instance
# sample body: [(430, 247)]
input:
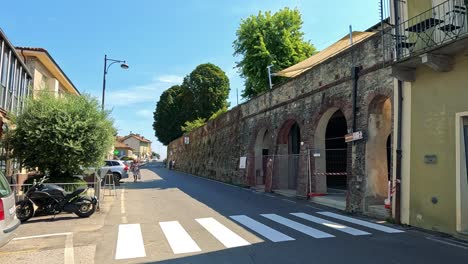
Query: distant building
[(15, 87), (140, 144), (47, 74), (121, 149)]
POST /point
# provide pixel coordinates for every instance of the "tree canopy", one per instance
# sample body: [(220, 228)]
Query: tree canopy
[(59, 135), (210, 88), (265, 40), (182, 107), (172, 111)]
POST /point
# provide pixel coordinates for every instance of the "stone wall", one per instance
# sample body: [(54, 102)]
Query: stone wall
[(307, 100)]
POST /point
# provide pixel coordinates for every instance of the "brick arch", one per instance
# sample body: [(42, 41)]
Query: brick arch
[(333, 103), (379, 124), (263, 123), (286, 124), (260, 124)]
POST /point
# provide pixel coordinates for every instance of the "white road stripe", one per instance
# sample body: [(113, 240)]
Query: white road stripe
[(298, 226), (262, 229), (179, 240), (340, 227), (130, 242), (228, 238), (69, 254), (362, 223)]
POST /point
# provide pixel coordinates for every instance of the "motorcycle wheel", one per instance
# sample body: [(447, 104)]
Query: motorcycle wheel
[(85, 209), (24, 210)]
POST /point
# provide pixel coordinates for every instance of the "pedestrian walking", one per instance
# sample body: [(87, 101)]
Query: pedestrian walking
[(135, 168)]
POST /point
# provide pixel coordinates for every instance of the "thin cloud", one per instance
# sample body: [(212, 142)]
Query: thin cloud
[(141, 93), (174, 79), (145, 113)]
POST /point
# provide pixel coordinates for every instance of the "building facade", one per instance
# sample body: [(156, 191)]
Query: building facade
[(47, 74), (141, 146), (292, 139), (431, 65), (15, 87)]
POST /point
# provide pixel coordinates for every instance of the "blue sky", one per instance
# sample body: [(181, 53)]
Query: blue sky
[(161, 40)]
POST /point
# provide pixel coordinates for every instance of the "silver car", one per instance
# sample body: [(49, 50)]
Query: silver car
[(117, 167), (8, 221)]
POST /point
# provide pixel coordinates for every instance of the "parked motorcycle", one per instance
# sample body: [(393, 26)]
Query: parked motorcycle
[(52, 199)]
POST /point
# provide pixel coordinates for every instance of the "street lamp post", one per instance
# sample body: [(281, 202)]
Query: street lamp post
[(269, 76), (123, 65)]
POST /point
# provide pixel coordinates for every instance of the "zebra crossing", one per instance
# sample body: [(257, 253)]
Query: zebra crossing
[(130, 239)]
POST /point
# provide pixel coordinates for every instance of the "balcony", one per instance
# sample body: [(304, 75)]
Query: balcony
[(431, 37)]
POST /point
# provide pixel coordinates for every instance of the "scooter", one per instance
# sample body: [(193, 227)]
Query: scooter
[(52, 199)]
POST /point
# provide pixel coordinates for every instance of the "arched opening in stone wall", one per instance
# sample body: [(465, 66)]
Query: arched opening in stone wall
[(378, 150), (330, 152), (262, 151), (287, 158), (336, 152)]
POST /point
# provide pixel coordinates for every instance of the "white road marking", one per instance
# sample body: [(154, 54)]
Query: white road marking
[(228, 238), (361, 222), (340, 227), (297, 226), (130, 242), (179, 240), (447, 243), (122, 202), (69, 257), (262, 229), (39, 236)]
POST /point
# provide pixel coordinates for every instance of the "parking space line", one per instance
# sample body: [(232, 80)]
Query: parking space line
[(69, 257), (40, 236), (69, 251)]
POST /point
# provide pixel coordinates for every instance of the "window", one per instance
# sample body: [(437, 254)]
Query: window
[(115, 163), (4, 75), (461, 161), (4, 186), (108, 163)]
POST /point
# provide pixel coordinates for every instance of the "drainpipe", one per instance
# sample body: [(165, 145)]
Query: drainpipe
[(398, 156), (355, 77), (400, 122)]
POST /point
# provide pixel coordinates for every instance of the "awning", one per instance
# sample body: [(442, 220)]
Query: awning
[(336, 48)]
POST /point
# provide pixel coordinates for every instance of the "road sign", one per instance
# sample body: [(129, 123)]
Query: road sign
[(116, 152), (353, 136)]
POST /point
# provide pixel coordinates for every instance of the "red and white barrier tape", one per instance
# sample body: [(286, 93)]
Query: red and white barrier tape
[(330, 173)]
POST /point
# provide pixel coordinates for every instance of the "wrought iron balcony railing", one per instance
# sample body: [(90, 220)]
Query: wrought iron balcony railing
[(438, 26)]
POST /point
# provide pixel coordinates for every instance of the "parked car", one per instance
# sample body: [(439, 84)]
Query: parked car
[(8, 220), (118, 168)]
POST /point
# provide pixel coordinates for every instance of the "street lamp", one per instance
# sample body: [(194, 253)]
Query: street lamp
[(269, 76), (123, 65)]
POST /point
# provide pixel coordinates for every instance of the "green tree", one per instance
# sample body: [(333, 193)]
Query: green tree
[(265, 40), (172, 111), (210, 88), (155, 155), (59, 135), (189, 126)]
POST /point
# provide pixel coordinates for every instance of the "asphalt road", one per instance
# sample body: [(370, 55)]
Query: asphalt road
[(172, 217)]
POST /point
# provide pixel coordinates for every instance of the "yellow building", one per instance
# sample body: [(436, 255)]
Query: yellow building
[(47, 74), (140, 145), (430, 64)]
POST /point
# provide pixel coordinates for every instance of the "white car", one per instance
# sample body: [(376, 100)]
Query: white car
[(117, 167), (8, 221)]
